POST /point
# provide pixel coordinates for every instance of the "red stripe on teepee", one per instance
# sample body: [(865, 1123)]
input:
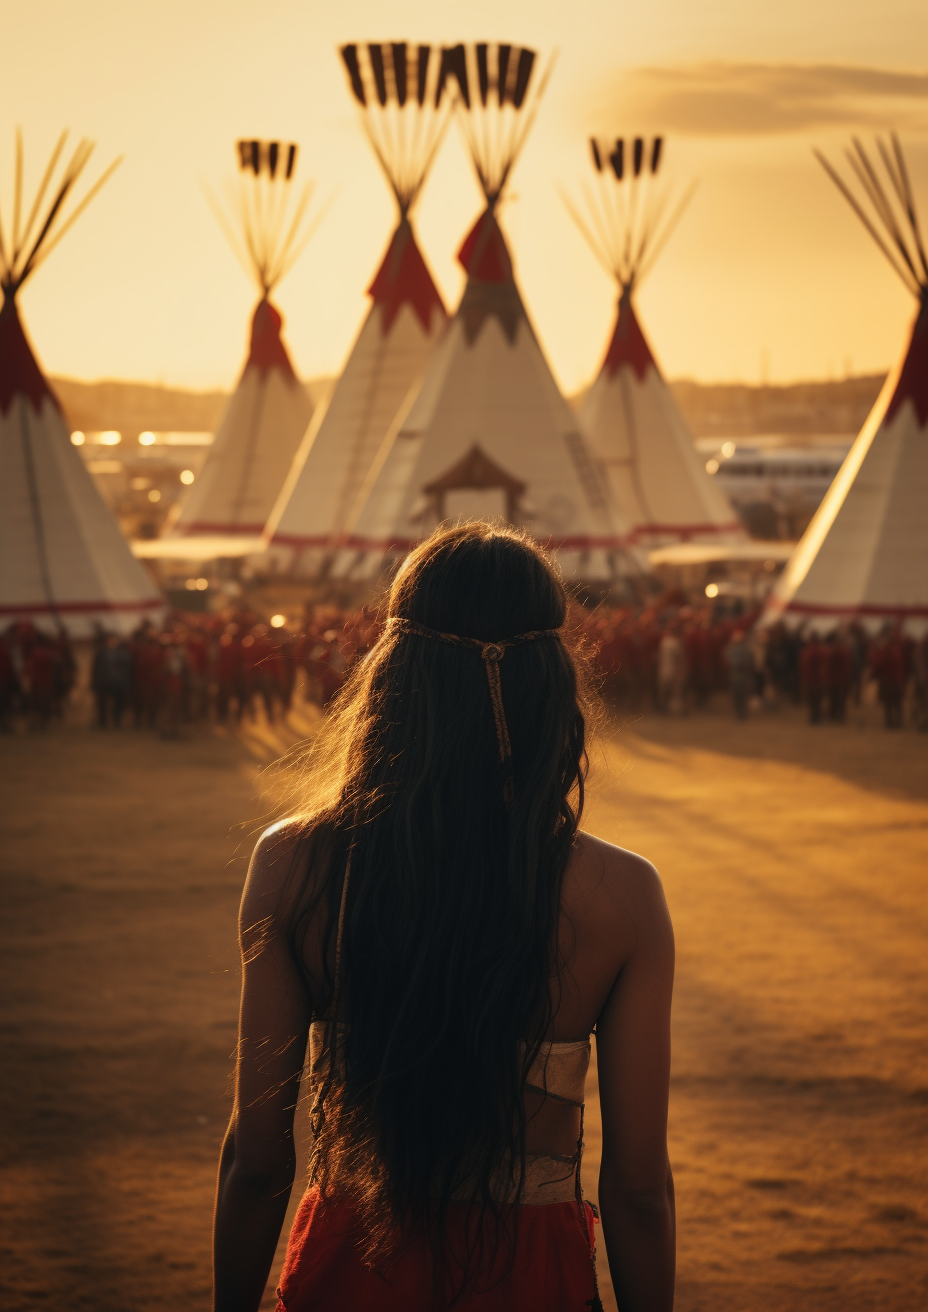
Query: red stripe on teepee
[(628, 345), (403, 279), (913, 381), (267, 348), (20, 374), (484, 254)]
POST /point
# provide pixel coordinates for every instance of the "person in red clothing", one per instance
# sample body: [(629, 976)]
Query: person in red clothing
[(229, 673), (813, 665), (42, 675), (839, 675), (9, 686), (889, 666)]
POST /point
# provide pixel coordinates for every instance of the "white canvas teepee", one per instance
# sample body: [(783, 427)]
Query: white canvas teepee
[(629, 416), (404, 111), (268, 412), (63, 560), (864, 556), (489, 434)]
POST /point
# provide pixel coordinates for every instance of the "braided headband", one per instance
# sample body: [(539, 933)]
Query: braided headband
[(492, 653)]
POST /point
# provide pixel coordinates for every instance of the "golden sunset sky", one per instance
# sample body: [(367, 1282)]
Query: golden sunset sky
[(768, 272)]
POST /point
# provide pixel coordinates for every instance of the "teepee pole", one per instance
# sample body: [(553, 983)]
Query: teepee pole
[(866, 221), (50, 245), (668, 230), (43, 185), (909, 203), (17, 193), (878, 199)]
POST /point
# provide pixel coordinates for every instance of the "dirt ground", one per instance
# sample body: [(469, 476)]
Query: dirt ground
[(795, 862)]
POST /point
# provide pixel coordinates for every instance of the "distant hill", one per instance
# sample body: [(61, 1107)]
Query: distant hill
[(738, 410), (131, 408), (711, 409), (743, 410)]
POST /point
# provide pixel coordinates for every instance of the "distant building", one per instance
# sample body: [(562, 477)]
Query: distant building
[(776, 489)]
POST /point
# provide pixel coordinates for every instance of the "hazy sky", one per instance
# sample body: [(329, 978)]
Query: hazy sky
[(767, 265)]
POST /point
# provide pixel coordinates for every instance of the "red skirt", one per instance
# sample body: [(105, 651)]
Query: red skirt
[(550, 1271)]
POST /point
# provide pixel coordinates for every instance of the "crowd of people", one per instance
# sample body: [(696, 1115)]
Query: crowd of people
[(220, 667), (668, 657), (671, 657), (37, 673)]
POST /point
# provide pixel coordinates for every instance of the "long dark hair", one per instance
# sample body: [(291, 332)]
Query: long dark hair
[(453, 897)]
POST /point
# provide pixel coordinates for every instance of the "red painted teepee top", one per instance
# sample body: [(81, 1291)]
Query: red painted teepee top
[(628, 345), (20, 374), (484, 254), (404, 279), (913, 380), (267, 348)]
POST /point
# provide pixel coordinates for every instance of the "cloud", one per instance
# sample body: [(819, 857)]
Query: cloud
[(735, 99)]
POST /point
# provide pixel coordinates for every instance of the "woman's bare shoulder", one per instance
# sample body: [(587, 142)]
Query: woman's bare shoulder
[(277, 853), (277, 846), (617, 881)]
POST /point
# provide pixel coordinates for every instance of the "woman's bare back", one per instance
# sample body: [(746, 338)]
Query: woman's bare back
[(614, 960)]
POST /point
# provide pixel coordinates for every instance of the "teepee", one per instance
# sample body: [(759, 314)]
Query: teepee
[(489, 435), (864, 556), (404, 111), (268, 412), (63, 561), (630, 418)]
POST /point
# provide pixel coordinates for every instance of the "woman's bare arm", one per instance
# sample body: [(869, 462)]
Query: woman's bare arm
[(258, 1161), (633, 1051)]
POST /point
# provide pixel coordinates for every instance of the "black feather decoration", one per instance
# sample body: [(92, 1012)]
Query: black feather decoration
[(617, 159), (399, 71), (656, 153), (502, 74), (526, 64), (376, 54), (350, 57), (639, 155), (453, 64), (422, 74), (483, 71)]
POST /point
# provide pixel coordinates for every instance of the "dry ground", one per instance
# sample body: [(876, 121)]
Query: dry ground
[(795, 866)]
